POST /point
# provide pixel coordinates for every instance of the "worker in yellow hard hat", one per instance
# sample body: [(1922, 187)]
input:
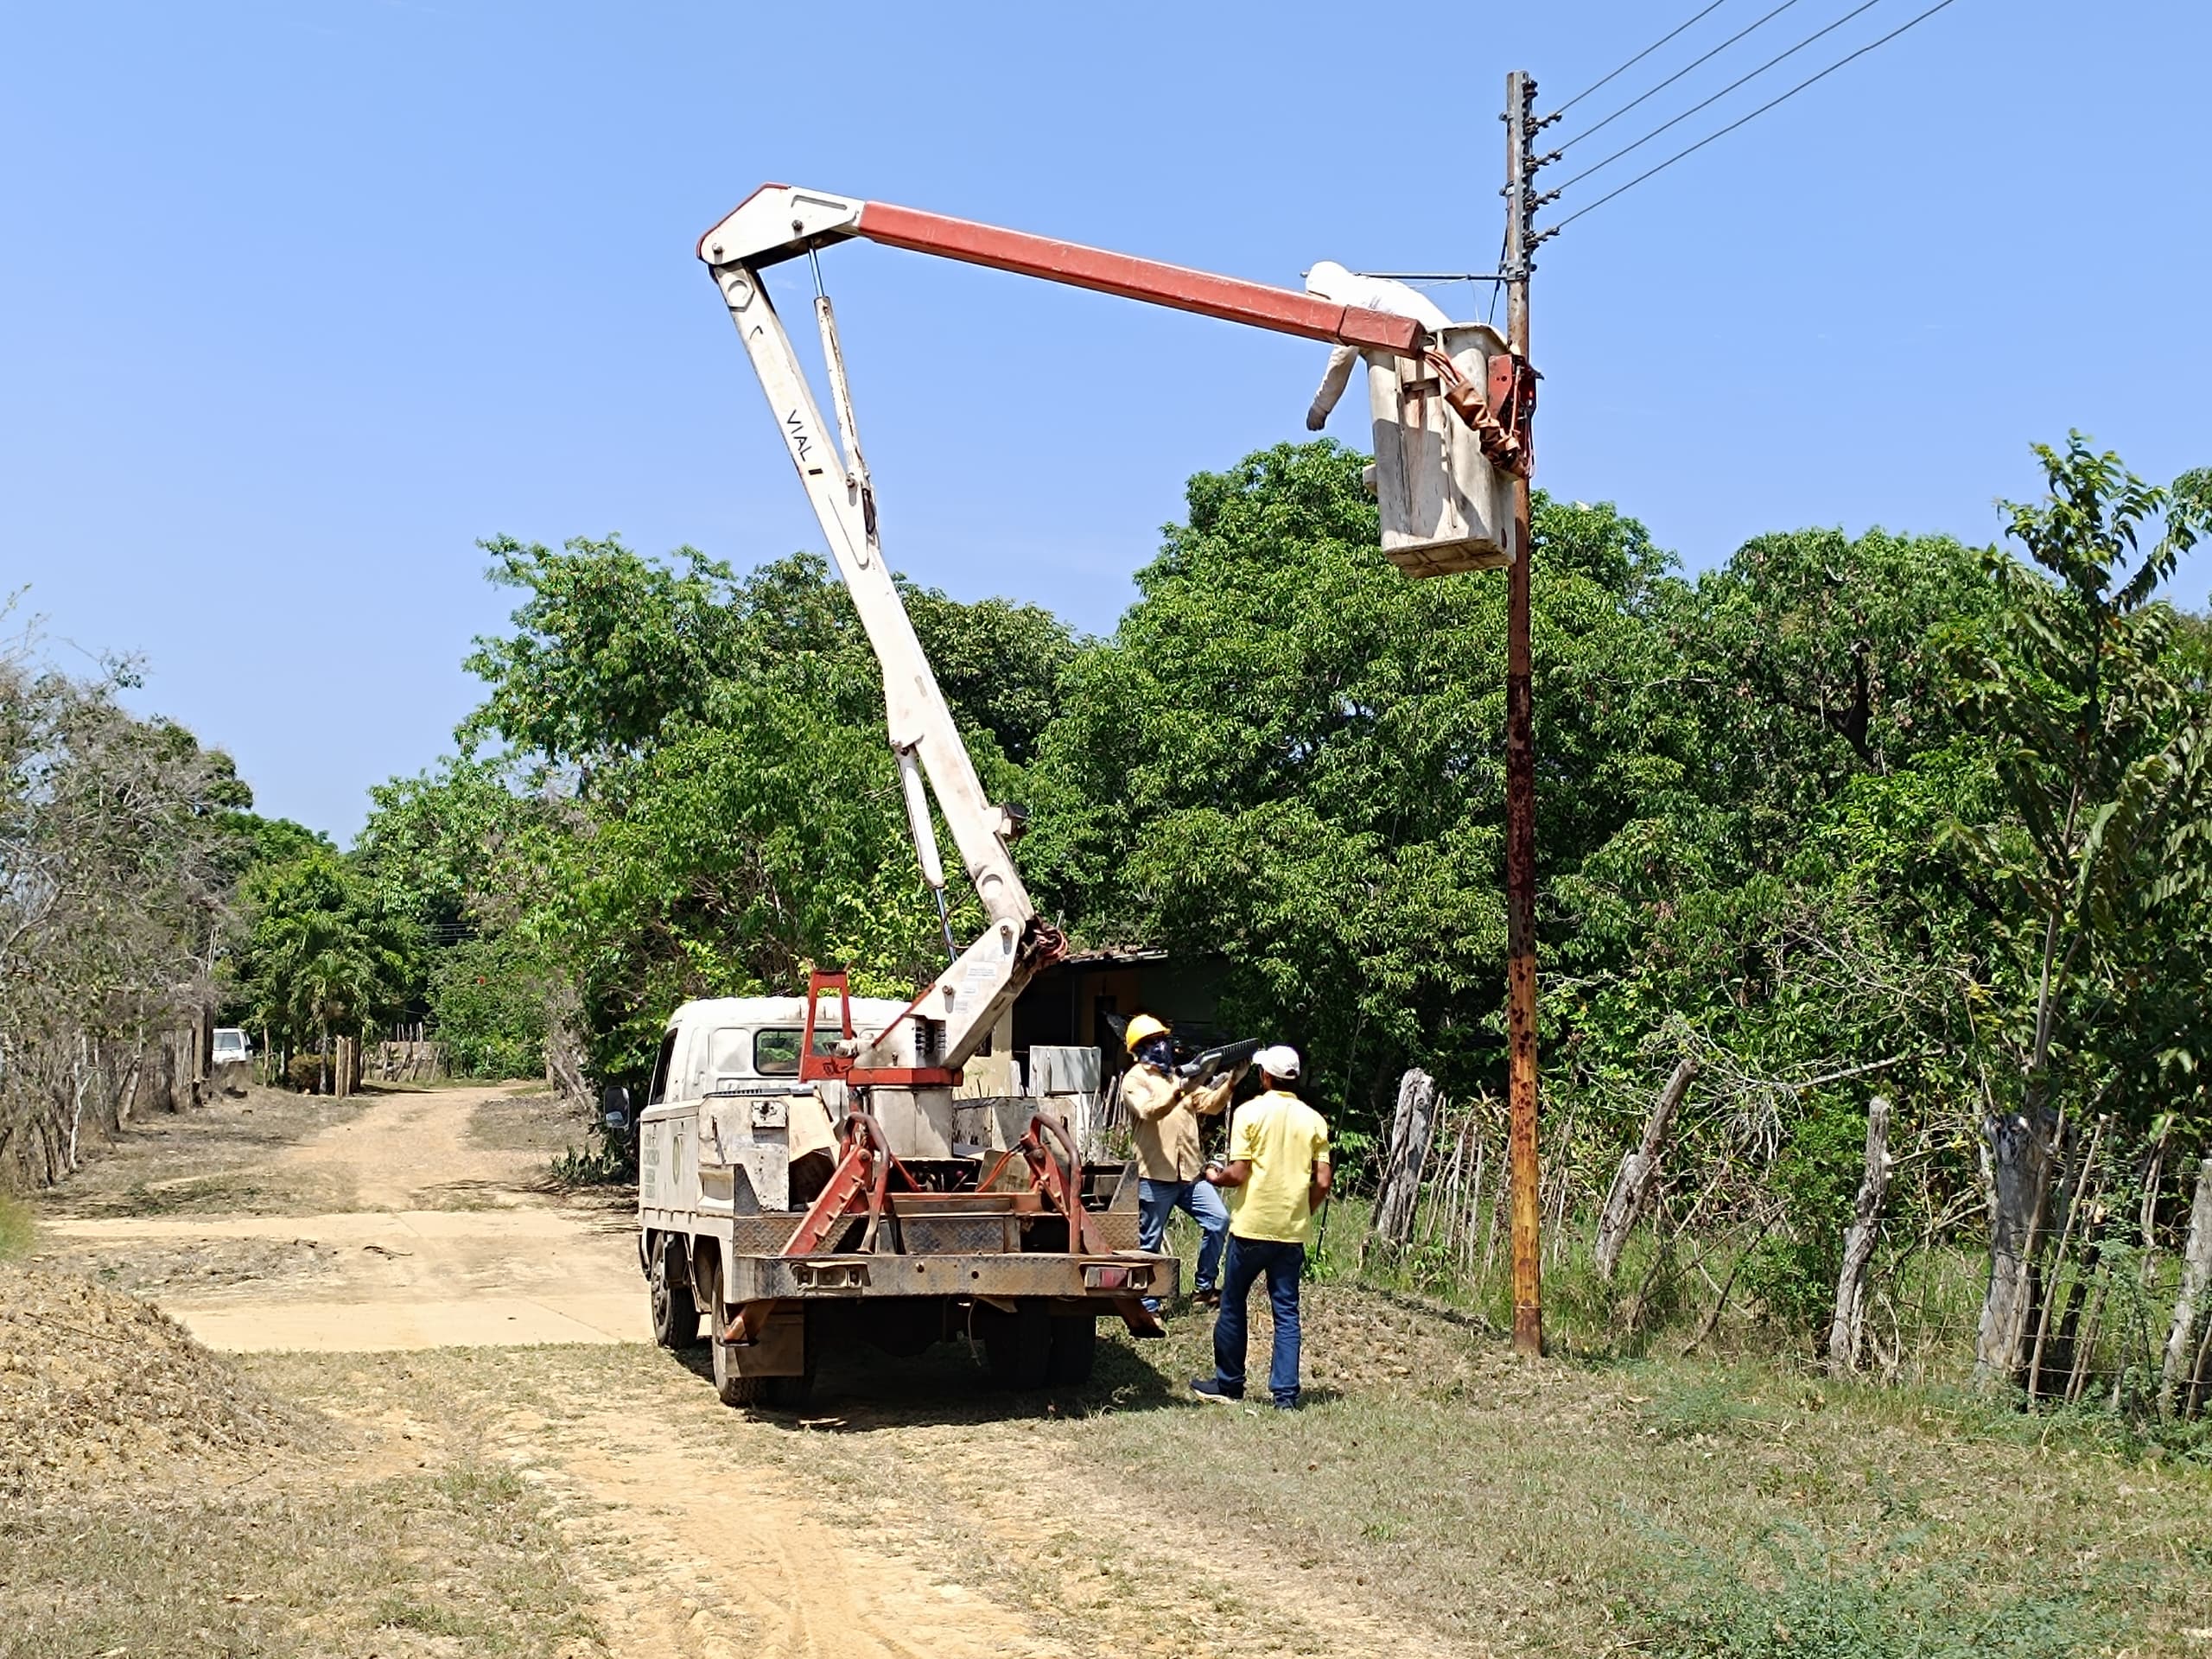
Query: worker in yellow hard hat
[(1164, 1113)]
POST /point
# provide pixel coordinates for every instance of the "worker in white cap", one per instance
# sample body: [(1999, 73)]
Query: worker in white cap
[(1276, 1175), (1164, 1113), (1330, 281)]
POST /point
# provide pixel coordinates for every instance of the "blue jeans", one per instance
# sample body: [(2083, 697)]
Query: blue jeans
[(1198, 1199), (1284, 1266)]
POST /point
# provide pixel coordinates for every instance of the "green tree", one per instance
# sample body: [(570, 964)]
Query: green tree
[(1290, 756), (1781, 909), (2096, 712), (324, 953), (695, 795), (608, 647), (452, 847), (611, 652), (488, 999), (725, 863)]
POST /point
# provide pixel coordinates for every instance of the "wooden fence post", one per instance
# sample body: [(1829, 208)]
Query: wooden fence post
[(2196, 1268), (1399, 1193), (1632, 1182), (1848, 1328)]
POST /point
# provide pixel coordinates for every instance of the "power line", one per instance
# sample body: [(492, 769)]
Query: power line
[(1637, 59), (1677, 75), (1864, 5), (1755, 114)]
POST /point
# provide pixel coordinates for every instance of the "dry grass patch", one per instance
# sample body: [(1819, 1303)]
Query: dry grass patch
[(157, 1500), (1679, 1508), (462, 1561), (97, 1388), (532, 1120), (214, 1161), (18, 1228), (1434, 1493)]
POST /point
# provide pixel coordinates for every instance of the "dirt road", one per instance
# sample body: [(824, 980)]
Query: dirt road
[(451, 1309), (444, 1245)]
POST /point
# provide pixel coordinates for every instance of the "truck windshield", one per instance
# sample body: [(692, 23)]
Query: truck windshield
[(775, 1051)]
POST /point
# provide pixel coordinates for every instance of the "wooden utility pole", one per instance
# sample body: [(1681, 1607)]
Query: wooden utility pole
[(1520, 760)]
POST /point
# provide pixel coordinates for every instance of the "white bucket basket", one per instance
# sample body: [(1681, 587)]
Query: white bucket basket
[(1444, 508)]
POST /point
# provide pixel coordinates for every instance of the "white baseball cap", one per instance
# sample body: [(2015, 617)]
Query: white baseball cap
[(1281, 1061)]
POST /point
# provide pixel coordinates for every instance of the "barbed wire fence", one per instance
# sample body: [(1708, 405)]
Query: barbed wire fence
[(2120, 1318)]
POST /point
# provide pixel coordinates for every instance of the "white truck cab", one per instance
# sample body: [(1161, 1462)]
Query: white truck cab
[(726, 1099)]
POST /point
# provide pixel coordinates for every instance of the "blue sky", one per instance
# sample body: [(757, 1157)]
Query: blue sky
[(298, 300)]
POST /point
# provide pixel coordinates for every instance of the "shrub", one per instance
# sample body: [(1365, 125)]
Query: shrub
[(1793, 1272)]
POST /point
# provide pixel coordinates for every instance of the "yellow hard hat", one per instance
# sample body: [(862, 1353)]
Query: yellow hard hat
[(1142, 1026)]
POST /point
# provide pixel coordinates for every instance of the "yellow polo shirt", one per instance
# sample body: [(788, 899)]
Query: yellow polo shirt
[(1283, 1139)]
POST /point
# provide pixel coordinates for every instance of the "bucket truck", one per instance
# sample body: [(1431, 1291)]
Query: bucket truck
[(801, 1181)]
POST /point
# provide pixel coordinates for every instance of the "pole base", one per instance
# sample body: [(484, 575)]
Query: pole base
[(1529, 1330)]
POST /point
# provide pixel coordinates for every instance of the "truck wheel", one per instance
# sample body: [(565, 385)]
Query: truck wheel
[(731, 1388), (779, 1393), (1074, 1351), (1018, 1345), (789, 1393), (676, 1316)]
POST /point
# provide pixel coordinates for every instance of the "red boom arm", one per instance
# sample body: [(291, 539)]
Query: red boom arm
[(778, 222)]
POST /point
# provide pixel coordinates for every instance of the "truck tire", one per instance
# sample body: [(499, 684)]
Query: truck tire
[(729, 1386), (781, 1393), (1074, 1351), (1018, 1346), (675, 1315)]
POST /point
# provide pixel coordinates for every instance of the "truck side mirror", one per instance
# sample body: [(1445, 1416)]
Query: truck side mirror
[(614, 1105)]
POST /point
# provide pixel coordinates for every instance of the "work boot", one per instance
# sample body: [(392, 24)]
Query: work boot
[(1207, 1297)]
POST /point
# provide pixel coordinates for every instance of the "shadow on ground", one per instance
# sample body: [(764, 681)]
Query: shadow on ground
[(859, 1389)]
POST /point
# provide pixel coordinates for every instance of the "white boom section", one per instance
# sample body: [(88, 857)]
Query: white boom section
[(968, 995)]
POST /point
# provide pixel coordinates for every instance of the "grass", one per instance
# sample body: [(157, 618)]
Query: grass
[(333, 1569), (1794, 1598), (1618, 1498), (1432, 1485), (18, 1228), (1738, 1504), (534, 1120), (214, 1161), (1681, 1503)]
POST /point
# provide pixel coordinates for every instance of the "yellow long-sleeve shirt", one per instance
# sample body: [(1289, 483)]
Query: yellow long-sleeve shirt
[(1164, 1114)]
